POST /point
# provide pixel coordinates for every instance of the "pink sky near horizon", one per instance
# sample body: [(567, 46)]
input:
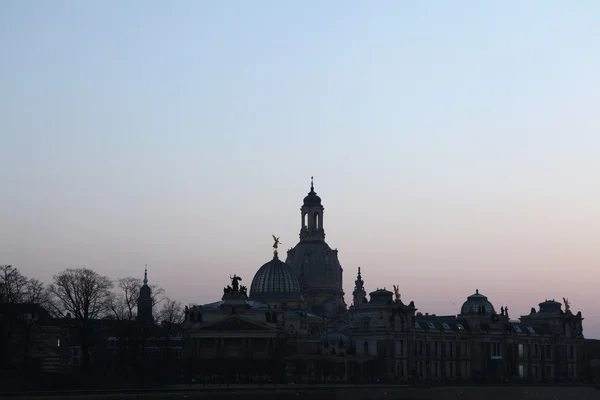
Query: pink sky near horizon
[(434, 268)]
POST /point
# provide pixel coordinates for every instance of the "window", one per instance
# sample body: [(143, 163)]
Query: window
[(465, 369), (434, 348), (571, 352), (464, 349), (449, 347), (518, 329), (548, 350), (400, 369), (460, 327), (431, 325), (400, 347), (446, 326), (58, 342), (530, 329), (521, 371), (417, 325), (521, 350), (495, 350), (450, 370), (436, 369)]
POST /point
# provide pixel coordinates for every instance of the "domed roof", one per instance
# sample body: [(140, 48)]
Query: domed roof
[(312, 200), (381, 296), (550, 307), (275, 280), (383, 292), (474, 303)]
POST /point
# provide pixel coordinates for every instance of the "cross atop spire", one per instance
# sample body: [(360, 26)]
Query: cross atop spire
[(146, 274), (312, 185)]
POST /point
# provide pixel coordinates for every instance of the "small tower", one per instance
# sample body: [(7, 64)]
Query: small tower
[(144, 302), (359, 294), (312, 216)]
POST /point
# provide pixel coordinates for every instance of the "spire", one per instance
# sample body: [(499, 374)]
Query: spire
[(312, 185), (359, 293), (146, 275)]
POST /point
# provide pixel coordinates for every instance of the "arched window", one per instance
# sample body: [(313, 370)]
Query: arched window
[(366, 348), (316, 221)]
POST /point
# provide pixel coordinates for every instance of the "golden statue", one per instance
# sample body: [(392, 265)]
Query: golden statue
[(275, 245), (397, 292), (567, 305)]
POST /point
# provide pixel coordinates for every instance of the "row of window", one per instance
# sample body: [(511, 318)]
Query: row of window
[(537, 350), (431, 325), (449, 349), (435, 348), (519, 330), (536, 371), (437, 370), (460, 327)]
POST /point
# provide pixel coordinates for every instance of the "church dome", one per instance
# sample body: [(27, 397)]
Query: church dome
[(475, 303), (275, 280), (312, 200)]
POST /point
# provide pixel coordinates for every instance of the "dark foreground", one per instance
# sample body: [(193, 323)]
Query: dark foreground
[(349, 393)]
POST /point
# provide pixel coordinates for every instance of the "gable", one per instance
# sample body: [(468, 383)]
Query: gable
[(234, 324)]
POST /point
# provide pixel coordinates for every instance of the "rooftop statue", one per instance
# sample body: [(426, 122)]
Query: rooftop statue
[(397, 292), (235, 285), (275, 245), (567, 305)]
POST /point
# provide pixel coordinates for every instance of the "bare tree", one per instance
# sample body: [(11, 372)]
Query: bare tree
[(171, 314), (85, 295), (36, 293), (124, 304), (12, 285), (20, 296)]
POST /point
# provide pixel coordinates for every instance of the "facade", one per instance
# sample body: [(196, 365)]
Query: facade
[(294, 326)]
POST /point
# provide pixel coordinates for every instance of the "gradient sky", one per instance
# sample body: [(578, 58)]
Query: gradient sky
[(455, 144)]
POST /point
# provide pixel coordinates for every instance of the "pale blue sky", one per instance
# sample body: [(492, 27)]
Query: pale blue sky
[(455, 144)]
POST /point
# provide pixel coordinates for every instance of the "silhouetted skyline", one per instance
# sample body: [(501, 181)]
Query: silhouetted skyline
[(454, 148)]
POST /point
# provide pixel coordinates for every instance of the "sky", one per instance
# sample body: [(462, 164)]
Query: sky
[(454, 143)]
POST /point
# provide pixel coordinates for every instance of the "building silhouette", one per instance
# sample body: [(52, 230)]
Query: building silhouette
[(294, 325), (145, 302)]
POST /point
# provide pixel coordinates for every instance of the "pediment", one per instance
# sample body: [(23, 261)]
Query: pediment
[(235, 324)]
